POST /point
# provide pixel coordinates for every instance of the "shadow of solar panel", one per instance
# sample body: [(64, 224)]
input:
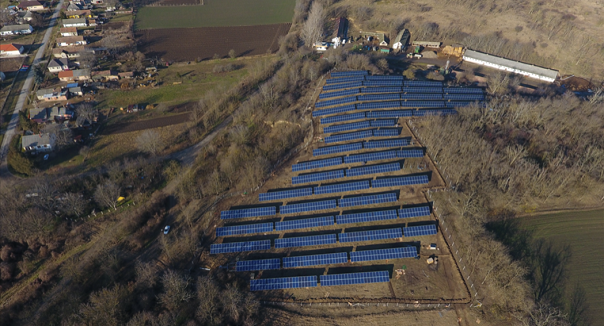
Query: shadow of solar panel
[(386, 132), (423, 104), (337, 101), (464, 90), (458, 104), (313, 240), (342, 187), (339, 93), (421, 96), (244, 229), (355, 278), (414, 212), (416, 231), (344, 80), (381, 90), (406, 153), (283, 283), (366, 217), (257, 265), (465, 97), (308, 207), (317, 176), (422, 83), (383, 123), (248, 212), (390, 114), (221, 248), (373, 169), (347, 126), (424, 90), (337, 149), (338, 74), (348, 136), (423, 113), (338, 109), (305, 223), (383, 254), (372, 235), (366, 157), (367, 200), (383, 83), (276, 195), (378, 97), (399, 181), (316, 164), (386, 143), (343, 117), (314, 260), (379, 105)]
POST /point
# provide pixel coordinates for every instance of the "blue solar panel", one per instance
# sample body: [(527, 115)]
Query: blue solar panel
[(424, 90), (390, 114), (386, 132), (464, 90), (383, 123), (307, 207), (257, 265), (347, 126), (406, 153), (332, 87), (422, 83), (383, 254), (423, 104), (414, 212), (379, 105), (378, 97), (372, 235), (314, 260), (342, 187), (355, 278), (384, 77), (366, 157), (343, 117), (387, 143), (337, 109), (458, 104), (366, 217), (383, 83), (244, 229), (373, 169), (381, 90), (338, 101), (339, 93), (283, 283), (421, 97), (344, 80), (416, 231), (348, 136), (316, 164), (276, 195), (336, 74), (337, 149), (464, 97), (318, 176), (399, 181), (367, 200), (220, 248), (313, 240), (423, 113), (305, 223), (248, 212)]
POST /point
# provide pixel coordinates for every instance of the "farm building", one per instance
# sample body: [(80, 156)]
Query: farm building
[(104, 75), (76, 91), (70, 41), (379, 36), (39, 143), (31, 6), (427, 44), (516, 67), (74, 75), (77, 22), (321, 46), (58, 65), (342, 28), (49, 94), (401, 40), (9, 50), (69, 52), (16, 29), (68, 31)]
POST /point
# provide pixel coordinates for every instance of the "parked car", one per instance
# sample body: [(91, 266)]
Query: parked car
[(166, 229), (24, 68)]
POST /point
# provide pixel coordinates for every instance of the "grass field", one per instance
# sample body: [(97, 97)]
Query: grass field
[(217, 13), (583, 231)]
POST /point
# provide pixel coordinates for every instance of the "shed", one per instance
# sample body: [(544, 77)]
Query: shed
[(76, 22), (517, 67), (427, 44), (76, 91)]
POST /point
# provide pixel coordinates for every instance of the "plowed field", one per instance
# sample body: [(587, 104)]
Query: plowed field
[(187, 44)]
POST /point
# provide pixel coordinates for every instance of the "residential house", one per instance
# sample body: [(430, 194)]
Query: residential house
[(401, 40), (97, 2), (126, 75), (75, 75), (25, 16), (38, 143), (92, 22), (70, 41), (68, 31), (69, 52), (58, 65), (105, 75), (76, 91), (72, 7), (9, 50), (49, 94), (31, 6), (79, 14), (60, 113), (39, 115), (16, 29), (76, 22)]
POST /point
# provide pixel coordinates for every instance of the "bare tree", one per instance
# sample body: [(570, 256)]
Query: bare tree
[(85, 112), (62, 133), (176, 290), (73, 204), (87, 59), (208, 293), (232, 54), (150, 141), (312, 31), (106, 307), (146, 274), (106, 194)]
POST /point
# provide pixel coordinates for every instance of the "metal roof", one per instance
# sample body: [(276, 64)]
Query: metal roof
[(550, 73)]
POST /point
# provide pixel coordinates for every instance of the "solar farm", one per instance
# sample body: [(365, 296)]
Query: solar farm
[(349, 217)]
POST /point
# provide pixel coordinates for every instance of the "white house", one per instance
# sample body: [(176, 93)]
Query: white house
[(38, 143), (70, 41), (10, 50), (16, 29), (75, 22), (68, 31), (512, 66), (58, 65)]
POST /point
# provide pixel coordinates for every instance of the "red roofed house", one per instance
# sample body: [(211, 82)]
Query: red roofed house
[(31, 6), (8, 50), (74, 75)]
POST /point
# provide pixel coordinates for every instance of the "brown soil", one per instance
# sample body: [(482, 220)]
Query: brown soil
[(145, 124), (576, 84)]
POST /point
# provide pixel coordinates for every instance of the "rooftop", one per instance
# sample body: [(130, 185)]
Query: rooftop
[(36, 140), (15, 27), (546, 72), (9, 47)]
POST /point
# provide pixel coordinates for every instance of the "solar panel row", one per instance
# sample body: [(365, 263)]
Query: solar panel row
[(464, 90), (248, 212), (373, 169), (344, 80), (423, 104), (421, 96), (316, 164), (343, 117), (314, 240), (221, 248), (355, 278), (366, 217), (383, 254), (399, 181), (283, 283), (305, 223), (384, 77), (438, 90), (317, 176), (314, 260), (465, 97), (347, 126), (366, 157), (307, 207), (406, 153), (339, 109), (257, 265), (337, 101), (372, 235), (414, 212), (337, 149), (383, 123), (342, 187), (244, 229), (390, 114), (416, 231), (346, 92), (276, 195), (367, 200), (386, 132), (381, 90), (378, 97), (337, 74), (387, 143), (423, 113), (332, 87), (421, 83), (348, 136), (378, 105)]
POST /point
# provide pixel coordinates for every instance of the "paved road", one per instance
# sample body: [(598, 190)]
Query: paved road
[(10, 131)]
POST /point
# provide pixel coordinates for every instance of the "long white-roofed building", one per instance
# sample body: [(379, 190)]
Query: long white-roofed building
[(513, 66)]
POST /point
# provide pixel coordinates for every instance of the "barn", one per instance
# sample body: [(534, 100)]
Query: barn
[(513, 66)]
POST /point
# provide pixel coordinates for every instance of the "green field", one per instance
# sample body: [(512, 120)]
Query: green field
[(217, 13), (584, 231)]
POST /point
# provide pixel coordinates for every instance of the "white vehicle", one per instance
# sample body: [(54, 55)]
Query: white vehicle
[(166, 229)]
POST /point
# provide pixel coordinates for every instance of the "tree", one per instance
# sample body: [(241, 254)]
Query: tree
[(232, 54), (39, 74), (578, 307), (106, 307), (87, 59), (176, 290), (106, 194), (208, 294), (550, 269), (61, 133), (146, 274), (37, 20), (73, 204), (312, 31), (150, 141), (112, 42)]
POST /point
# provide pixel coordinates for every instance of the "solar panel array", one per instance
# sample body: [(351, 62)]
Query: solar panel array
[(366, 157), (416, 231), (421, 83), (383, 254), (336, 102), (342, 187), (458, 104), (316, 164), (365, 217), (349, 136), (372, 235), (348, 126), (336, 74), (350, 84), (368, 200), (373, 169), (314, 260), (283, 194), (383, 83), (248, 212), (355, 278), (384, 77), (221, 248), (381, 90), (378, 97), (379, 105), (414, 211), (313, 240), (390, 114), (406, 153), (425, 90), (344, 80), (421, 113), (305, 223), (244, 229), (337, 149), (423, 104), (387, 143), (257, 265), (338, 109), (283, 283), (343, 117), (399, 181), (318, 176), (307, 207), (465, 97), (386, 132), (383, 123), (418, 96), (463, 90), (347, 92)]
